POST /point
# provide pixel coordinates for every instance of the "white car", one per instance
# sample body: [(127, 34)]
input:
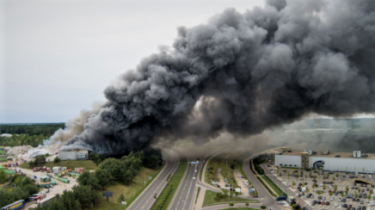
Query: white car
[(195, 171), (193, 178), (336, 204)]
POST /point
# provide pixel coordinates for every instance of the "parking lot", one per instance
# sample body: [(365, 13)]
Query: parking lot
[(301, 184)]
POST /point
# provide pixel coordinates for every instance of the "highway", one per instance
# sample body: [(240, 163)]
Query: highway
[(146, 199), (184, 197)]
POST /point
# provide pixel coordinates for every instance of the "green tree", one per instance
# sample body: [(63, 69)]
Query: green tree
[(3, 176), (40, 159), (324, 187), (347, 188), (335, 187), (307, 189), (104, 177), (330, 193), (356, 195), (56, 160), (122, 198)]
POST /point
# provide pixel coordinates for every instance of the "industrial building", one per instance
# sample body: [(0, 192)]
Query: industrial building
[(326, 160), (74, 154)]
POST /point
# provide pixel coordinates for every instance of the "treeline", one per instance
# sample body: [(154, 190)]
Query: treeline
[(110, 170), (81, 197), (46, 129), (19, 187), (120, 170), (23, 139)]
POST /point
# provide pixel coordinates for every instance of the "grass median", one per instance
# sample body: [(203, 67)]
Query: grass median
[(275, 188), (210, 198), (166, 196)]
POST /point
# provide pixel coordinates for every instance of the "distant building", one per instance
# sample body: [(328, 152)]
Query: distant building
[(332, 161), (74, 154)]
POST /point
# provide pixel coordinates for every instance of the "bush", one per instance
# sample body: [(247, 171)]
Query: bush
[(231, 204), (247, 204), (56, 160), (263, 207)]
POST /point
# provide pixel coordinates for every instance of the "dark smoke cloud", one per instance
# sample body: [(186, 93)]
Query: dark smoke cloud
[(243, 73)]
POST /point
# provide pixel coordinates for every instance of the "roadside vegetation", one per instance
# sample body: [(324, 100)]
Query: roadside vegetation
[(166, 196), (215, 198), (27, 134), (227, 170), (87, 164), (275, 188), (266, 186), (18, 187)]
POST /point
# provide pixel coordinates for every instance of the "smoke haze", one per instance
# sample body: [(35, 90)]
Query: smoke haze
[(241, 74)]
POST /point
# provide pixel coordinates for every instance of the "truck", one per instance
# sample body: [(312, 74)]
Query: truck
[(281, 198), (44, 168), (14, 206), (48, 170), (36, 169)]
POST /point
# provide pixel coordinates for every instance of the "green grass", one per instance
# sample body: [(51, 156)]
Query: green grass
[(88, 164), (196, 198), (166, 196), (275, 188), (226, 170), (130, 192), (265, 186), (209, 199)]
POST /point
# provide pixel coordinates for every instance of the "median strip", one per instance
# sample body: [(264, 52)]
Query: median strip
[(166, 196)]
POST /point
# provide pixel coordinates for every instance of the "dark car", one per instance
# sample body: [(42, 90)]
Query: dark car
[(337, 156), (218, 186), (327, 203)]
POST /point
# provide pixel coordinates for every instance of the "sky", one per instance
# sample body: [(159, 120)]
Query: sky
[(58, 56)]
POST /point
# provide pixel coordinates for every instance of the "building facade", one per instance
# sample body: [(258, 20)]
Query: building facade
[(74, 154), (331, 162)]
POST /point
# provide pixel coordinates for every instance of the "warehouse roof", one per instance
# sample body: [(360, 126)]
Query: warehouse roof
[(332, 154)]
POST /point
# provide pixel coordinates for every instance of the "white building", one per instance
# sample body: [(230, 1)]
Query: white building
[(74, 154), (352, 162)]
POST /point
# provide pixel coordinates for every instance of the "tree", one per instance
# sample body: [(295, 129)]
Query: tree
[(330, 193), (307, 189), (40, 160), (371, 192), (324, 187), (347, 188), (293, 183), (313, 186), (319, 192), (121, 198), (104, 177), (3, 176), (56, 160), (356, 195), (305, 176), (342, 193), (335, 187)]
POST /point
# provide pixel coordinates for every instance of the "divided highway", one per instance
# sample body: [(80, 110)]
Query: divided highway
[(146, 199), (184, 197)]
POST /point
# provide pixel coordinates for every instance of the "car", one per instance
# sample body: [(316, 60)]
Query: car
[(324, 198), (194, 178), (340, 199), (343, 200), (47, 186), (218, 186), (319, 202), (320, 197), (361, 202), (332, 198), (357, 200), (358, 208), (195, 171), (336, 204), (281, 202), (337, 156), (323, 203), (345, 205)]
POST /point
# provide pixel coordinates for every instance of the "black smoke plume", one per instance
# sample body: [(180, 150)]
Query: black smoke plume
[(243, 73)]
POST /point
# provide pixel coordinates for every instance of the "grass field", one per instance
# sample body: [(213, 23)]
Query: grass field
[(166, 196), (275, 188), (209, 199), (129, 191), (88, 164), (266, 186), (226, 170)]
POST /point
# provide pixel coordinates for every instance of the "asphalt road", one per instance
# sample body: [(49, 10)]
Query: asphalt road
[(267, 199), (146, 199), (184, 197)]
